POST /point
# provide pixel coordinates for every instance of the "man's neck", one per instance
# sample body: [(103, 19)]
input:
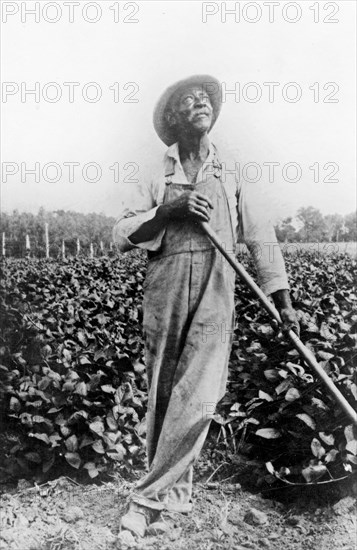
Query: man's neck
[(194, 148)]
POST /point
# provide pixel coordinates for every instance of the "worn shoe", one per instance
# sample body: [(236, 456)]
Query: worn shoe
[(138, 518), (158, 527)]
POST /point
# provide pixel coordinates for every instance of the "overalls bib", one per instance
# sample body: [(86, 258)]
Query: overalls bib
[(188, 325)]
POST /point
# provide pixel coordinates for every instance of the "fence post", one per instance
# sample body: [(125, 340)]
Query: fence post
[(47, 243), (28, 246), (63, 251), (78, 247), (91, 251), (101, 247), (111, 246), (3, 245)]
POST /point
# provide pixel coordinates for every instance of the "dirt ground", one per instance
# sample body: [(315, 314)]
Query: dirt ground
[(65, 515)]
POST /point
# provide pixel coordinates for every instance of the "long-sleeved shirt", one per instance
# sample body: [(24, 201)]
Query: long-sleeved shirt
[(248, 206)]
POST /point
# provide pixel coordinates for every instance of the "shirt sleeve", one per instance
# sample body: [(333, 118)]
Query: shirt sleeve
[(259, 235), (139, 205)]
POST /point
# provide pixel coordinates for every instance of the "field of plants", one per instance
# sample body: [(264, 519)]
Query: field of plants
[(73, 383)]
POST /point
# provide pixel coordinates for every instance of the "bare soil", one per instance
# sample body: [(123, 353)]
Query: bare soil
[(65, 515)]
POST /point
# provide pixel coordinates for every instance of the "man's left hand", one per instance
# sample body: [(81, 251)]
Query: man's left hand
[(289, 319), (287, 313)]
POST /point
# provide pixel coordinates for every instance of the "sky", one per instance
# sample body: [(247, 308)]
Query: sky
[(288, 81)]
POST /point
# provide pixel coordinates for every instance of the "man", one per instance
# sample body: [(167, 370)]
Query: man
[(189, 289)]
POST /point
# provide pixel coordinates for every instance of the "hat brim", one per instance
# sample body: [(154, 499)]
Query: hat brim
[(209, 84)]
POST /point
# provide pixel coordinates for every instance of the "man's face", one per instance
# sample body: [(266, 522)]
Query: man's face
[(191, 111)]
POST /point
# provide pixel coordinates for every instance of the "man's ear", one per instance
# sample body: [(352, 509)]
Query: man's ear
[(170, 118)]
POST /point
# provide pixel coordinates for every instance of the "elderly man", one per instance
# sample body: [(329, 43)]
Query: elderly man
[(189, 288)]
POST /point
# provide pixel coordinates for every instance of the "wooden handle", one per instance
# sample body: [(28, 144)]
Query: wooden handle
[(305, 353)]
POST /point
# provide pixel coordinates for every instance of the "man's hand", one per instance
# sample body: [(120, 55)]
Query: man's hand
[(288, 316), (287, 313), (189, 205)]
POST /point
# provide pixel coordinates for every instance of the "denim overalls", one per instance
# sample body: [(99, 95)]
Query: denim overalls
[(188, 325)]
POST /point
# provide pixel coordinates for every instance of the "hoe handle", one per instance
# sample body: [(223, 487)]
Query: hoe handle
[(305, 353)]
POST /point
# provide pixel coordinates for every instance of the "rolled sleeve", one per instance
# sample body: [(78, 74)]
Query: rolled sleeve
[(139, 206), (260, 237)]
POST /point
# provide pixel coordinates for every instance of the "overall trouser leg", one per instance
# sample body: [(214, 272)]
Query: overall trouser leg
[(187, 375)]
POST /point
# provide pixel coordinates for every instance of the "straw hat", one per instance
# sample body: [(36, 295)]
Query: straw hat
[(209, 84)]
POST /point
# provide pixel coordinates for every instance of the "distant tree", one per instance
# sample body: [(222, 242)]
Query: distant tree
[(313, 224), (350, 227), (286, 231), (333, 227)]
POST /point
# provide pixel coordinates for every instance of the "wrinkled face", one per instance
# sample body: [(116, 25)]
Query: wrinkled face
[(191, 111)]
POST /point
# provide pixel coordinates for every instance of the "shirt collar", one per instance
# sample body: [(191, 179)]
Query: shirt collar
[(172, 156)]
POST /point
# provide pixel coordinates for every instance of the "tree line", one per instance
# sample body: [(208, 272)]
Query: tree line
[(309, 225), (64, 226)]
